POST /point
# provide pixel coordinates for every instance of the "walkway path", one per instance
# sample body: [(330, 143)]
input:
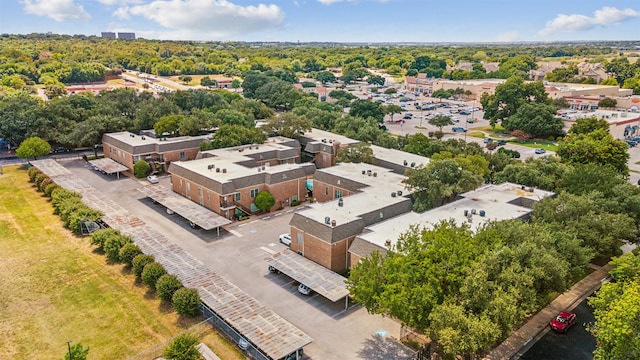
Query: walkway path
[(521, 339)]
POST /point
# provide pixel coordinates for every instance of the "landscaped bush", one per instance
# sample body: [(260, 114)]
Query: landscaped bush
[(39, 178), (139, 262), (81, 214), (44, 183), (50, 189), (99, 237), (186, 302), (151, 273), (60, 196), (113, 245), (141, 169), (33, 172), (128, 252), (167, 285), (182, 347)]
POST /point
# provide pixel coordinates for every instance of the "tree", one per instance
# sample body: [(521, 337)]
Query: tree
[(325, 77), (544, 173), (168, 125), (588, 125), (207, 82), (166, 286), (509, 96), (441, 121), (78, 352), (392, 110), (376, 80), (358, 153), (597, 146), (288, 125), (182, 347), (185, 78), (186, 302), (33, 147), (607, 103), (366, 108), (610, 82), (128, 252), (264, 200), (535, 119), (139, 262), (616, 307), (141, 169), (632, 83), (151, 273), (278, 94)]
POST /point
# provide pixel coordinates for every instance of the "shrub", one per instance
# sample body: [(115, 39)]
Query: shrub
[(44, 183), (186, 302), (33, 172), (113, 245), (182, 347), (128, 252), (264, 200), (60, 196), (39, 179), (166, 286), (99, 237), (50, 189), (151, 273), (141, 169), (78, 352), (82, 213), (295, 202), (139, 262)]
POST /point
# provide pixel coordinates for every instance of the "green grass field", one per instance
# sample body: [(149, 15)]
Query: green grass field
[(56, 288)]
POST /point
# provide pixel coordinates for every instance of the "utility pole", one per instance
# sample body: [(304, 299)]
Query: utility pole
[(69, 347)]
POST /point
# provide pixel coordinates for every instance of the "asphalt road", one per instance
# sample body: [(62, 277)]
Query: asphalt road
[(576, 344)]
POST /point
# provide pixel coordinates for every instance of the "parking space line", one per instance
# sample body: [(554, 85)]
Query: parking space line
[(235, 233)]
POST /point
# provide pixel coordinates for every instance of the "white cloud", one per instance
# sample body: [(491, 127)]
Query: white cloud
[(509, 36), (575, 22), (119, 2), (58, 10), (206, 19)]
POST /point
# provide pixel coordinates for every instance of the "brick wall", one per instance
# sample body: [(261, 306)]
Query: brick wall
[(331, 256), (323, 192)]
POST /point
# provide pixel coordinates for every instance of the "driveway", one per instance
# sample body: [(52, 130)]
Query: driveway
[(576, 344), (240, 256)]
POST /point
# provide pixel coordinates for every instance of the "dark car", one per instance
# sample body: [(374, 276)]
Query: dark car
[(563, 321), (488, 140), (501, 142), (464, 112), (60, 149)]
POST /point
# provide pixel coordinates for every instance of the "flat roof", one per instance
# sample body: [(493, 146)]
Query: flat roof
[(108, 165), (137, 140), (318, 278), (265, 329), (184, 207), (319, 135), (611, 116), (399, 157), (499, 202), (374, 194)]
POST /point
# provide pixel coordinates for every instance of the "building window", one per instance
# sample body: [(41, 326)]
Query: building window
[(182, 155), (238, 196), (326, 190), (136, 158), (254, 192), (300, 238), (180, 182), (200, 191), (208, 195), (294, 198), (338, 194), (188, 186)]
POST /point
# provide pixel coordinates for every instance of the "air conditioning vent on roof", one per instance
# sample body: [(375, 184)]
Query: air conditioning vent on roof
[(340, 202), (399, 192), (387, 243), (333, 223), (327, 220), (224, 171), (393, 194)]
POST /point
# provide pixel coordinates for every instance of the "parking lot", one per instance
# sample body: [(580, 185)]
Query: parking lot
[(240, 256)]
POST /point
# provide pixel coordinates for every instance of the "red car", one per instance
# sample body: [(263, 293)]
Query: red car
[(563, 321)]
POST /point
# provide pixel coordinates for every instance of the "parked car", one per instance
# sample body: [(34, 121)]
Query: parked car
[(464, 112), (501, 142), (540, 151), (273, 270), (153, 179), (304, 289), (458, 129), (563, 321), (285, 239), (60, 149), (470, 121)]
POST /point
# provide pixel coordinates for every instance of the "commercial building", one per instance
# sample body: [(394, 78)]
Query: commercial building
[(228, 180), (108, 35), (127, 148), (126, 35), (622, 124)]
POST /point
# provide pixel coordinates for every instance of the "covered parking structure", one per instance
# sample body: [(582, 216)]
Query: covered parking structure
[(265, 335), (318, 278), (194, 213), (108, 166)]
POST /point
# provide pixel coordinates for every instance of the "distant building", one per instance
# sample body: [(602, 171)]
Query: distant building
[(108, 35), (126, 35)]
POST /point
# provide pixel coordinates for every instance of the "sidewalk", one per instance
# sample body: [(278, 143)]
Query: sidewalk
[(518, 341)]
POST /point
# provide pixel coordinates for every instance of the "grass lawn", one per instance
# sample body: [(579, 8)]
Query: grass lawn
[(55, 288)]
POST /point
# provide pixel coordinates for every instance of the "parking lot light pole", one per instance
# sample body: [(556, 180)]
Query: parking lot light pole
[(69, 347)]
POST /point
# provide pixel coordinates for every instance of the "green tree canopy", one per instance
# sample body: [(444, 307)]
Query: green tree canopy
[(264, 200), (597, 147), (358, 153), (288, 125), (182, 347), (33, 148)]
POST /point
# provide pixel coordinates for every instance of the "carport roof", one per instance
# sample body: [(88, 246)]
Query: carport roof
[(318, 278), (186, 208), (108, 165)]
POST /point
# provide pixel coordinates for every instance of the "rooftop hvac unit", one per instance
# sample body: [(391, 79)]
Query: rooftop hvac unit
[(364, 172), (393, 194), (482, 213), (132, 135), (143, 138), (413, 164), (263, 167), (217, 170), (259, 169), (327, 220), (333, 223), (224, 171), (466, 212), (375, 174), (405, 163), (473, 211), (387, 243), (399, 192)]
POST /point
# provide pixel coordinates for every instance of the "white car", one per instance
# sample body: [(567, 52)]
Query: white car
[(153, 179), (304, 289), (285, 239)]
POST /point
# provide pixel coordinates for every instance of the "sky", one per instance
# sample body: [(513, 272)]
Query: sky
[(368, 21)]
